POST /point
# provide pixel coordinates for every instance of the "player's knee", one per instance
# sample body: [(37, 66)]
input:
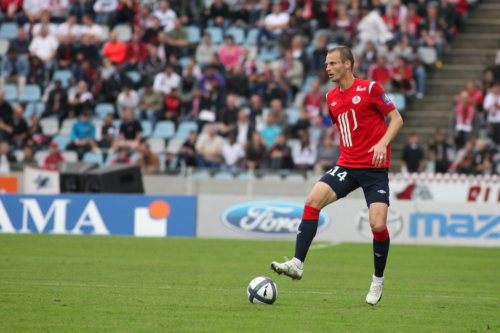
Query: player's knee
[(377, 224), (313, 200)]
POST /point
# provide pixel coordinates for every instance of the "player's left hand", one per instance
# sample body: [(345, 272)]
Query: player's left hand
[(379, 154)]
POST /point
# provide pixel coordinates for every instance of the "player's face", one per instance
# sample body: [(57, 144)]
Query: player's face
[(334, 67)]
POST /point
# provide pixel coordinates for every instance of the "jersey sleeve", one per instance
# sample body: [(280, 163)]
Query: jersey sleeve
[(379, 99), (332, 118)]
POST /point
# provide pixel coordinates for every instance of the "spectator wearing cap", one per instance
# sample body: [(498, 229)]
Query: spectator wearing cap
[(205, 50), (491, 106), (177, 40), (104, 10), (136, 52), (274, 24), (165, 15), (15, 69), (127, 99), (219, 15), (192, 12), (57, 104), (432, 30), (6, 157), (167, 80), (82, 135), (54, 158), (150, 102), (148, 161), (115, 49)]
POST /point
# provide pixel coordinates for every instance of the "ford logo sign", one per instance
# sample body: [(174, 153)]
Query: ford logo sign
[(268, 218)]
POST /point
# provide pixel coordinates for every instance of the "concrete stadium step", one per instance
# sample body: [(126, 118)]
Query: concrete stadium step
[(425, 104), (486, 10), (443, 87), (427, 118), (469, 56), (489, 2), (476, 41), (480, 25), (458, 71)]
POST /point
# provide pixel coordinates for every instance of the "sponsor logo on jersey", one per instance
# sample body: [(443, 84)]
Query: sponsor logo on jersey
[(268, 218), (359, 88), (333, 104), (386, 99), (381, 191), (356, 99)]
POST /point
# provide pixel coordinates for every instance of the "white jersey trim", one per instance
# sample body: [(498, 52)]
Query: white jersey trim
[(370, 88)]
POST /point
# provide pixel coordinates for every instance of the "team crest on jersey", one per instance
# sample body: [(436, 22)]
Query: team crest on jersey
[(356, 99), (386, 99)]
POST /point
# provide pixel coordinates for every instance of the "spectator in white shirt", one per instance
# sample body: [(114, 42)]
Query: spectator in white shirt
[(205, 50), (58, 10), (491, 106), (128, 99), (304, 155), (165, 15), (44, 22), (232, 153), (45, 48), (79, 99), (165, 81), (69, 28), (274, 24), (104, 9), (91, 29), (33, 9)]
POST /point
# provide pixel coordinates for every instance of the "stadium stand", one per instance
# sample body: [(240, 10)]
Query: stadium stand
[(421, 78)]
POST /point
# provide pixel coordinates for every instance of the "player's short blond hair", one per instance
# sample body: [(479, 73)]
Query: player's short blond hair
[(345, 54)]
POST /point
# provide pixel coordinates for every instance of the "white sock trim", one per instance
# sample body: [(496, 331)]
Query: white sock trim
[(378, 279), (298, 263)]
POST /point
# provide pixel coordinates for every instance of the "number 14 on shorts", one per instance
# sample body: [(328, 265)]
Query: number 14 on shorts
[(341, 175)]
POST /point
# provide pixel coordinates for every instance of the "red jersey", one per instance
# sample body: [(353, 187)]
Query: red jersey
[(359, 114)]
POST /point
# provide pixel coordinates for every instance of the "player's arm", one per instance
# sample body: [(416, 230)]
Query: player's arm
[(395, 123)]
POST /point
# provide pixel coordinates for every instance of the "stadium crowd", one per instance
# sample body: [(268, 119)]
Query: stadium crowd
[(211, 84)]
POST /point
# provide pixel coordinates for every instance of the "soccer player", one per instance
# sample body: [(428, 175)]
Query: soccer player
[(358, 108)]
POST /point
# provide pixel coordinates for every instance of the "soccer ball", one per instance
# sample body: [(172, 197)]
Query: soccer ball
[(262, 290)]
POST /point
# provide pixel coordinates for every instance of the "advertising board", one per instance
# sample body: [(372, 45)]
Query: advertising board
[(101, 214)]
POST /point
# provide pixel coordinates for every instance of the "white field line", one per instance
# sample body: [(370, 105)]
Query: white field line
[(226, 290)]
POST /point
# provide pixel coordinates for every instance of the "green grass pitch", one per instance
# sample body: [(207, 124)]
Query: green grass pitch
[(52, 283)]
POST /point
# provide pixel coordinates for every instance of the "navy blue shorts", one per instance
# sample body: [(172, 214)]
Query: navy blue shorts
[(374, 182)]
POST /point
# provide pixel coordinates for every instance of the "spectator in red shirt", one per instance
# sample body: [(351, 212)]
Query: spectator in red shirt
[(391, 18), (115, 49), (413, 19), (136, 51), (380, 72), (11, 7), (122, 156), (52, 160), (401, 76), (314, 100), (172, 106), (475, 95)]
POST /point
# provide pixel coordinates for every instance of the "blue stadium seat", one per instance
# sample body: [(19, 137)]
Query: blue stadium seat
[(310, 50), (237, 33), (399, 101), (194, 34), (134, 76), (30, 93), (4, 46), (224, 175), (63, 75), (202, 174), (293, 115), (62, 141), (307, 83), (10, 91), (147, 128), (93, 157), (109, 158), (134, 157), (252, 36), (8, 30), (184, 128), (216, 33), (268, 54), (117, 123), (103, 109), (34, 108), (184, 61), (164, 129)]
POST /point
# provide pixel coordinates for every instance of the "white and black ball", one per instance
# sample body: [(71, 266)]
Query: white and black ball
[(262, 290)]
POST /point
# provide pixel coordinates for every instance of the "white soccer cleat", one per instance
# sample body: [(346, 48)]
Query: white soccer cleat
[(288, 268), (375, 293)]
